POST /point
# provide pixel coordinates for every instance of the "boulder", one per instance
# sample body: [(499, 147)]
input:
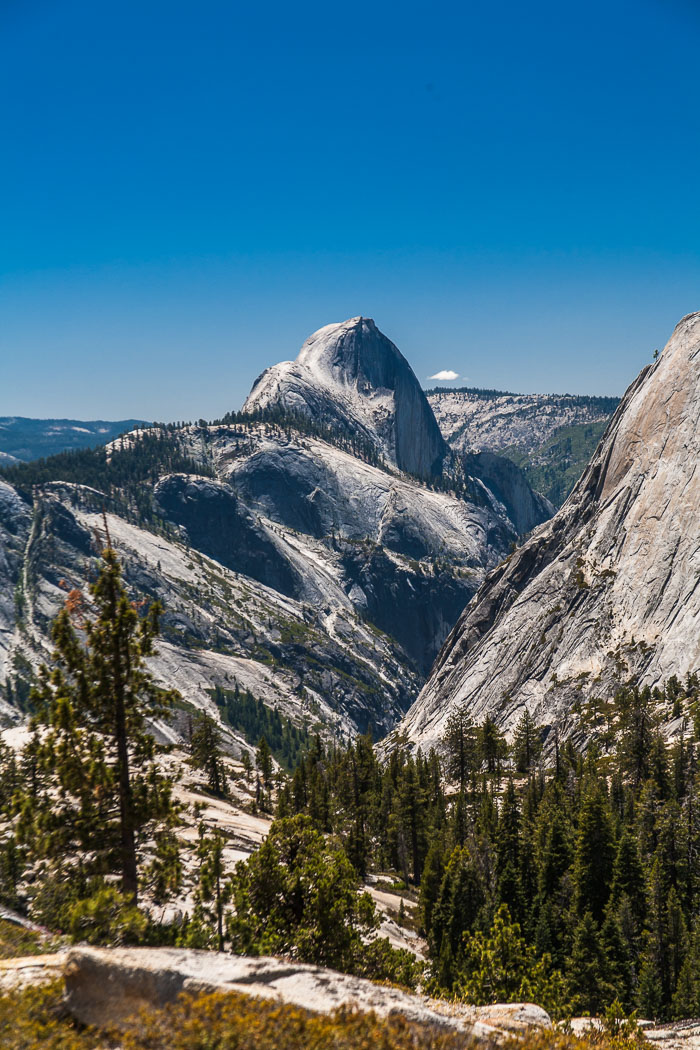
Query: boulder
[(108, 987), (26, 970)]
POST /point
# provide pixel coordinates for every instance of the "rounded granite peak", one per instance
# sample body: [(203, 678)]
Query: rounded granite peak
[(351, 375), (349, 349)]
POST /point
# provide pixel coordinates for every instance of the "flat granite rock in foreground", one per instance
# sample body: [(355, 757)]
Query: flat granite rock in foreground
[(108, 987)]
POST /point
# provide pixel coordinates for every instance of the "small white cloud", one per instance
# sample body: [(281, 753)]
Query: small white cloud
[(445, 374)]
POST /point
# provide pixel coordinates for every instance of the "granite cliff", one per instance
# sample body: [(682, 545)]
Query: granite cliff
[(351, 375), (607, 590)]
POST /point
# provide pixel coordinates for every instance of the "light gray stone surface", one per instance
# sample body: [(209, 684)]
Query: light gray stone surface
[(351, 376), (608, 590), (109, 986)]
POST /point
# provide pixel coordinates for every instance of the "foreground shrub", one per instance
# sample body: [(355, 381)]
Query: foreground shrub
[(107, 917), (16, 941), (34, 1019), (500, 966), (297, 895)]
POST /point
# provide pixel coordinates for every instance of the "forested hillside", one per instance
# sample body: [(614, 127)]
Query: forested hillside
[(570, 878), (550, 437)]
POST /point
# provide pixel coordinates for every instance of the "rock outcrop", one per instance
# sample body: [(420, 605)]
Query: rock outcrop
[(108, 987), (349, 375), (550, 437), (609, 589)]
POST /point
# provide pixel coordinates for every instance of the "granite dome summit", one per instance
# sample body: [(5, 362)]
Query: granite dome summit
[(296, 553), (606, 591), (349, 375)]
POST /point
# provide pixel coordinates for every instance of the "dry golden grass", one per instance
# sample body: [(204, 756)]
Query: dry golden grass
[(34, 1019)]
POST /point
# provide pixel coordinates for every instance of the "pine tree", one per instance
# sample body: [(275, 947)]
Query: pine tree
[(460, 746), (618, 956), (412, 817), (527, 743), (636, 731), (297, 895), (213, 890), (206, 753), (594, 857), (431, 880), (95, 787), (686, 998), (628, 877), (263, 761), (588, 966), (461, 898), (492, 746), (508, 845)]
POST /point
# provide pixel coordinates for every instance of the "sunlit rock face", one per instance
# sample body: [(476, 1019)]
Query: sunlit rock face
[(351, 376), (608, 589), (301, 560)]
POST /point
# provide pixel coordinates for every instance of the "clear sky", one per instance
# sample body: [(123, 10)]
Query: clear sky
[(511, 190)]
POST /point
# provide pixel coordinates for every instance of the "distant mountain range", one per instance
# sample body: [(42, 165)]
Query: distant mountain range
[(22, 439)]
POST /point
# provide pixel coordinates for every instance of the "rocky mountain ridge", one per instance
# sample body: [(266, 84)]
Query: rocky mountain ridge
[(607, 590), (288, 564), (550, 437), (495, 420)]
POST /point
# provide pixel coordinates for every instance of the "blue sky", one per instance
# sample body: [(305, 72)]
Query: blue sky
[(187, 190)]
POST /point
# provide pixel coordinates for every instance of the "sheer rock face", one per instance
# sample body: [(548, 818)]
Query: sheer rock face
[(609, 589), (352, 377)]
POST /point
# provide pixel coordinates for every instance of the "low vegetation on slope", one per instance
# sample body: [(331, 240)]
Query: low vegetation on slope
[(36, 1018), (16, 941), (554, 468)]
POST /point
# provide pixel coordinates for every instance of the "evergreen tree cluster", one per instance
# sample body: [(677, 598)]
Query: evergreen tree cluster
[(567, 878), (283, 422), (86, 795), (126, 475), (579, 875), (255, 720)]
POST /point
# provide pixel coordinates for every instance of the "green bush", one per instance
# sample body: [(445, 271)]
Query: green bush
[(107, 917)]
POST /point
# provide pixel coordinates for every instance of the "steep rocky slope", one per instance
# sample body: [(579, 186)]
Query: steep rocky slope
[(321, 665), (353, 377), (292, 561), (550, 437), (605, 591), (496, 420)]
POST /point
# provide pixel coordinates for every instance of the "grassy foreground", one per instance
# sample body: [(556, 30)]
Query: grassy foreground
[(35, 1019), (16, 941)]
